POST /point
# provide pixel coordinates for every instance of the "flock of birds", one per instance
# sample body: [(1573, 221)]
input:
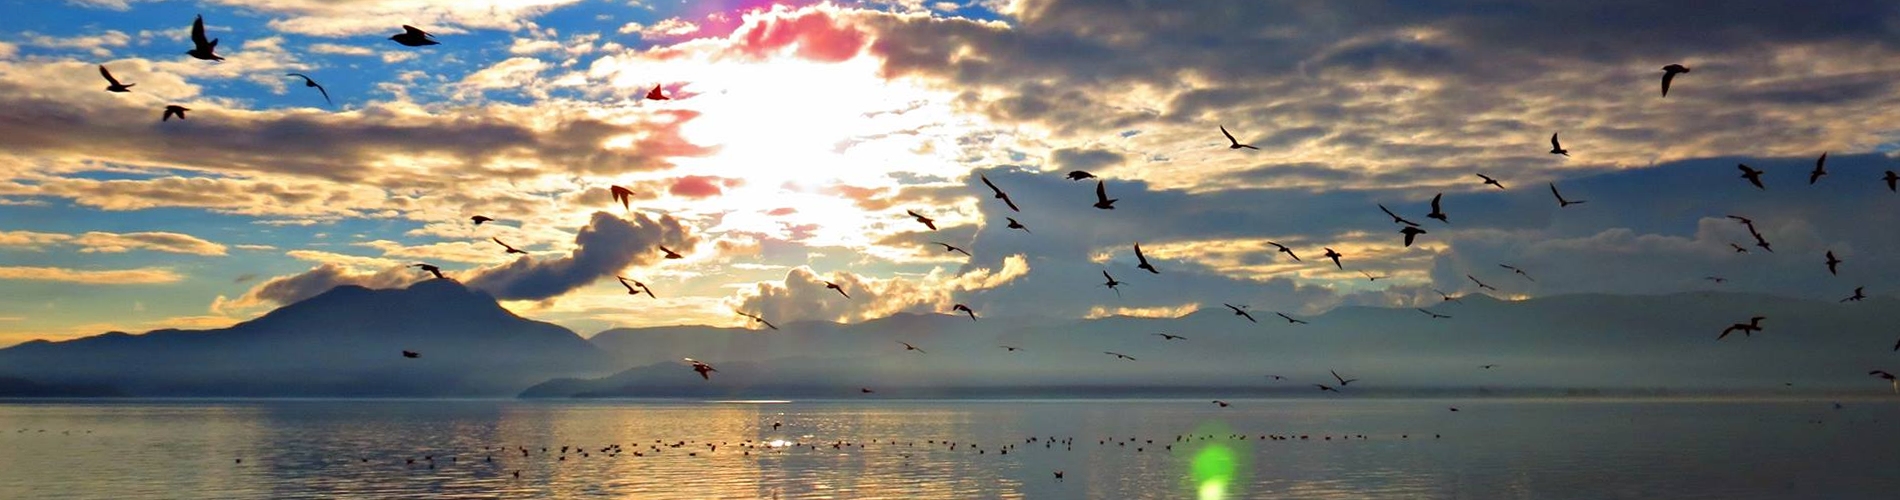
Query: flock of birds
[(204, 48)]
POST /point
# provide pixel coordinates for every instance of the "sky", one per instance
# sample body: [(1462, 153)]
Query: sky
[(797, 135)]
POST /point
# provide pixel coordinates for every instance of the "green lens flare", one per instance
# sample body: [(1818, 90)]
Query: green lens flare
[(1214, 467)]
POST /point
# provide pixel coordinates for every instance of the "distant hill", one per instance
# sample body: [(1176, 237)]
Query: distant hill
[(13, 387), (344, 342)]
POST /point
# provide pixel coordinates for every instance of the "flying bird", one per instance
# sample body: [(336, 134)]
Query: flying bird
[(1669, 75), (1010, 348), (999, 193), (1324, 388), (113, 84), (173, 110), (1119, 355), (1144, 260), (1820, 169), (307, 82), (865, 390), (950, 248), (1165, 336), (1433, 314), (622, 195), (1395, 217), (1738, 248), (1076, 175), (1753, 176), (1102, 201), (1276, 377), (1285, 250), (1519, 272), (1893, 181), (1289, 319), (1241, 312), (509, 248), (1446, 297), (705, 370), (1410, 233), (1017, 225), (1561, 202), (1234, 143), (1717, 279), (1330, 254), (965, 309), (200, 47), (656, 95), (1481, 285), (1832, 263), (670, 254), (1223, 404), (1438, 213), (1370, 277), (1556, 148), (926, 221), (1753, 325), (431, 268), (834, 286), (909, 347), (633, 284), (412, 37), (1487, 367), (411, 354), (1111, 284), (1891, 380), (1859, 295), (760, 320), (1342, 381), (1490, 181), (1896, 346), (479, 219)]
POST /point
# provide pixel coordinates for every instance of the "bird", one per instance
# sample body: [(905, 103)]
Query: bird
[(1893, 181), (1395, 217), (411, 354), (307, 82), (1556, 148), (1832, 263), (1223, 404), (1561, 202), (1330, 254), (1519, 272), (705, 370), (1446, 297), (1753, 176), (1144, 260), (1669, 75), (1891, 380), (656, 95), (1433, 314), (926, 221), (1858, 295), (1119, 355), (1370, 277), (1324, 388), (1165, 336), (1285, 250), (1241, 312), (1738, 248), (1010, 348), (509, 248), (1342, 381), (431, 268), (949, 248), (1487, 367), (670, 254), (1820, 169), (1289, 319), (1452, 408), (1759, 240), (1438, 213), (201, 48), (633, 284), (965, 309), (412, 37), (1102, 201), (1276, 377), (1111, 284), (1488, 180), (1076, 175), (1717, 279), (1410, 233), (909, 347), (113, 84), (865, 390), (999, 193), (1753, 325), (1481, 284), (1896, 346), (622, 195), (479, 219), (1234, 143), (173, 110), (760, 320), (1017, 225), (834, 286)]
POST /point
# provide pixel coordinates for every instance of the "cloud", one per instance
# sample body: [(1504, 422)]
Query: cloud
[(288, 289), (1098, 312), (802, 295), (103, 242), (337, 18), (338, 49), (99, 45), (667, 28), (141, 276), (607, 246)]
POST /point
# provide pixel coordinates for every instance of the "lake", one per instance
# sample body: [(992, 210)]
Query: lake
[(1411, 448)]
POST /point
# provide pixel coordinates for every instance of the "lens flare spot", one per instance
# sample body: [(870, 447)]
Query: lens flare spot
[(1214, 467)]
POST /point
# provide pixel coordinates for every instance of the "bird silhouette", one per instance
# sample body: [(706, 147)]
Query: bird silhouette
[(1234, 143), (1112, 284), (1833, 264), (1119, 355), (1893, 181), (999, 193), (112, 84), (1896, 346), (1859, 295), (1010, 348), (1017, 225), (1738, 248), (1276, 377), (201, 48), (1395, 217), (1241, 312), (634, 287), (431, 268), (622, 195), (1145, 266), (1342, 380), (1438, 213), (705, 370), (173, 110), (1223, 404), (1076, 175), (1891, 380), (1481, 284), (508, 248), (1285, 250), (1324, 388), (1556, 148), (1330, 254), (865, 390), (834, 286), (656, 95), (1753, 325), (1488, 180), (965, 309), (1669, 75), (1519, 272), (949, 248), (1445, 297), (1820, 169), (1753, 176), (1370, 277), (1717, 279), (670, 254), (909, 347), (1102, 201), (756, 318), (926, 221), (1432, 314), (1289, 319), (411, 354), (307, 82), (412, 37), (1410, 232), (1561, 202), (1165, 336), (479, 219), (1487, 367)]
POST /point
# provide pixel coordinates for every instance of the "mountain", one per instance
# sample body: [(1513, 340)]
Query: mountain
[(345, 342), (1621, 343), (12, 387)]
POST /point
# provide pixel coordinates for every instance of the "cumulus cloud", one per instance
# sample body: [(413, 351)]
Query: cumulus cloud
[(287, 289), (336, 18), (607, 246), (666, 28), (802, 295)]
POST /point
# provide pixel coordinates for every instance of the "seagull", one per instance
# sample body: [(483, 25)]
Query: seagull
[(412, 37), (1410, 233), (1011, 348), (1481, 284), (1285, 250), (1223, 404), (865, 390), (1241, 312), (1232, 143), (834, 286), (1669, 75), (1896, 346), (670, 254), (927, 222), (1342, 381), (622, 195), (1717, 279), (1102, 201), (632, 284), (1820, 169), (655, 95), (479, 219), (1289, 319), (1017, 225), (1370, 277), (411, 354), (1561, 202), (1111, 284), (1433, 314), (909, 347), (965, 309), (948, 248), (1832, 263), (1276, 377), (1753, 176), (1119, 355), (1858, 295), (999, 193), (1520, 272), (1076, 175), (1437, 213), (431, 268), (1395, 217), (1490, 181), (307, 82), (200, 47), (1324, 388), (1738, 248), (1446, 297), (1890, 379), (173, 110), (113, 83), (705, 370), (1487, 367), (1753, 325), (1165, 336), (1759, 241), (1557, 149), (1330, 254), (509, 248), (1144, 260), (758, 319)]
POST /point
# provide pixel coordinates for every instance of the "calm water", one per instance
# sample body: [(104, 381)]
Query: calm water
[(1489, 449)]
